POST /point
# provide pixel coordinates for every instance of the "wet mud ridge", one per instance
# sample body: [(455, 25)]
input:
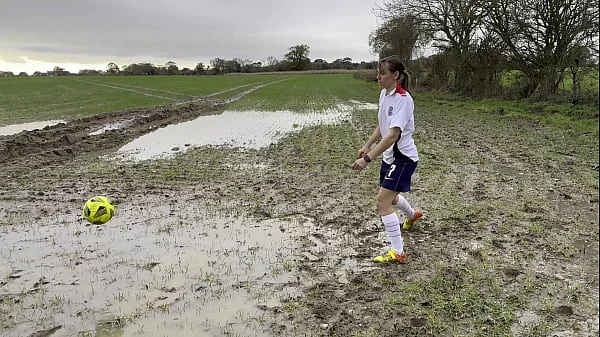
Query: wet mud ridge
[(60, 142), (66, 140)]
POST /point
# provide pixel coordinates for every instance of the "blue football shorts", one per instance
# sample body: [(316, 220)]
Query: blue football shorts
[(397, 175)]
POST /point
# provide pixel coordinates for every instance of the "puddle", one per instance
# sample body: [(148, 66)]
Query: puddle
[(364, 105), (112, 126), (247, 129), (185, 269), (16, 128)]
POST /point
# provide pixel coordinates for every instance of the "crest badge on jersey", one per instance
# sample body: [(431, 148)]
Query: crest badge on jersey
[(390, 111)]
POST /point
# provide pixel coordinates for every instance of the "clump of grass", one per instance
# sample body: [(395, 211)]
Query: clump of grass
[(470, 295)]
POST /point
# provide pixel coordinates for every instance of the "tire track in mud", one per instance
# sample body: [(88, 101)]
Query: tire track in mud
[(127, 86), (225, 91), (144, 93), (60, 142), (244, 93), (234, 97), (192, 98)]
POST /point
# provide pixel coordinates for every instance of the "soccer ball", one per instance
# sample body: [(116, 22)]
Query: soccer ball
[(98, 210)]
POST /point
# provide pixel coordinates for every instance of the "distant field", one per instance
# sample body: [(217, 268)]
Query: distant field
[(589, 79), (45, 98)]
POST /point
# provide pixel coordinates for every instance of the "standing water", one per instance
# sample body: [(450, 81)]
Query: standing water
[(248, 129), (16, 128)]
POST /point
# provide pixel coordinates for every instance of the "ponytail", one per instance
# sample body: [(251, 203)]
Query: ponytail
[(395, 65), (404, 81)]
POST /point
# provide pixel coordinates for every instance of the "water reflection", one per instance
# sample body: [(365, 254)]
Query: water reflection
[(16, 128), (248, 129)]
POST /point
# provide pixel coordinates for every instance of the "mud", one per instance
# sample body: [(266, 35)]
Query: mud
[(64, 141), (278, 241)]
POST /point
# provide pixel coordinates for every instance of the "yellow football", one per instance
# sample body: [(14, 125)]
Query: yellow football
[(98, 210)]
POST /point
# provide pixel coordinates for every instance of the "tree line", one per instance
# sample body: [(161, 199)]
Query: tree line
[(297, 59), (479, 43)]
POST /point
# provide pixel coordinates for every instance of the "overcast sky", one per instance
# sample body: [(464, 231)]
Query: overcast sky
[(75, 34)]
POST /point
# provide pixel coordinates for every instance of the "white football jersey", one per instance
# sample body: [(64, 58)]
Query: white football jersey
[(396, 110)]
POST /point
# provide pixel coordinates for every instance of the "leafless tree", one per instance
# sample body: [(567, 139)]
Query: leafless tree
[(450, 25), (541, 35), (271, 61), (398, 35), (218, 65)]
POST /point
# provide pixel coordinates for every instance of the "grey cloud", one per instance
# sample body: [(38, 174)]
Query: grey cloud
[(186, 29)]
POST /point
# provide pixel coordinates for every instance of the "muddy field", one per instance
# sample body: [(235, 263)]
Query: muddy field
[(278, 241)]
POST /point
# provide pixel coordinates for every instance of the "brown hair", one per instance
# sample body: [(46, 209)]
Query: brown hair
[(394, 65)]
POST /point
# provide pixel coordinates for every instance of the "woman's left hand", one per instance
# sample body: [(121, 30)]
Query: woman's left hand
[(359, 164)]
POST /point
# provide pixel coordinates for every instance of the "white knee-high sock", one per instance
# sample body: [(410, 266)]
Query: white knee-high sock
[(404, 206), (392, 228)]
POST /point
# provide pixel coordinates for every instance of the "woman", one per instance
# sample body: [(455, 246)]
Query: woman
[(400, 156)]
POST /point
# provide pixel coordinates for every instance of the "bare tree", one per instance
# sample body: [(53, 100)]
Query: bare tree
[(540, 36), (218, 65), (271, 61), (398, 35), (449, 25)]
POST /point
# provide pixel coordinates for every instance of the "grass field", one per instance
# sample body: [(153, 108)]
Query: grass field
[(508, 245), (45, 98)]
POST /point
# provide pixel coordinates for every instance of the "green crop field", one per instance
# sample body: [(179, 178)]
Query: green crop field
[(45, 98)]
